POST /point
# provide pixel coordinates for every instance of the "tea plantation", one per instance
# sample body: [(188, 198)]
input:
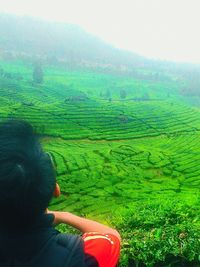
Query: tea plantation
[(131, 160)]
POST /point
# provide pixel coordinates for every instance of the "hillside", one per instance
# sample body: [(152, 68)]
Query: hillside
[(156, 136), (70, 47), (59, 42), (125, 139)]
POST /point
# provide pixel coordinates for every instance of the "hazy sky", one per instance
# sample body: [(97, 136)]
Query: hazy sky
[(166, 29)]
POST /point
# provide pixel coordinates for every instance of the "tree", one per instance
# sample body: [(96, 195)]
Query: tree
[(108, 93), (145, 96), (122, 94), (37, 74)]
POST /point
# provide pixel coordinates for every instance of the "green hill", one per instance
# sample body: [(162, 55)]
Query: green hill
[(114, 151)]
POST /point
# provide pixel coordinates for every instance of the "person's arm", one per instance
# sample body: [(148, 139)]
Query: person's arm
[(101, 243), (82, 224)]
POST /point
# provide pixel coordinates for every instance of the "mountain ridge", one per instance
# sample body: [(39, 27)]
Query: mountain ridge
[(56, 42)]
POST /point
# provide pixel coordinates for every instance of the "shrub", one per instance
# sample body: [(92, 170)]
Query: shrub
[(160, 235)]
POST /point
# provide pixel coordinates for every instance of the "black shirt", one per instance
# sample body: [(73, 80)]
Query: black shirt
[(38, 245)]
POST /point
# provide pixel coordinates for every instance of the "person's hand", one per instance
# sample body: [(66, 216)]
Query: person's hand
[(56, 216)]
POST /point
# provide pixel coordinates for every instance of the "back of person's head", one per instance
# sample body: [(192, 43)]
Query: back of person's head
[(27, 179)]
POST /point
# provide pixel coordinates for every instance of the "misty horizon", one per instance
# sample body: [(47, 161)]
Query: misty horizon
[(163, 31)]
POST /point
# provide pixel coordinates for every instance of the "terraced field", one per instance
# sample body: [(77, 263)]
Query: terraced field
[(95, 173), (113, 155), (108, 150)]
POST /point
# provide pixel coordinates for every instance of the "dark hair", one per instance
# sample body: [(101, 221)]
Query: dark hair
[(27, 178)]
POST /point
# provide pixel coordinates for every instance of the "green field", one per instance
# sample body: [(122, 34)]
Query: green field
[(113, 154)]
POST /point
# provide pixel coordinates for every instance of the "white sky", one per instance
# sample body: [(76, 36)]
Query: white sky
[(166, 29)]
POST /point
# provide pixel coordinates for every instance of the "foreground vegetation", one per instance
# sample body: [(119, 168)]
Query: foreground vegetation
[(164, 234), (127, 153)]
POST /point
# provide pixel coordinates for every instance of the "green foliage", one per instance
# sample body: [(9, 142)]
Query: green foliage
[(122, 93), (164, 234), (37, 74), (110, 155)]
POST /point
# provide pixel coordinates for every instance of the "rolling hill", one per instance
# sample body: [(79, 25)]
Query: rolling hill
[(58, 43), (125, 141)]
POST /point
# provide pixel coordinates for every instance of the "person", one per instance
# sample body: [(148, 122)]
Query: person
[(27, 233)]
